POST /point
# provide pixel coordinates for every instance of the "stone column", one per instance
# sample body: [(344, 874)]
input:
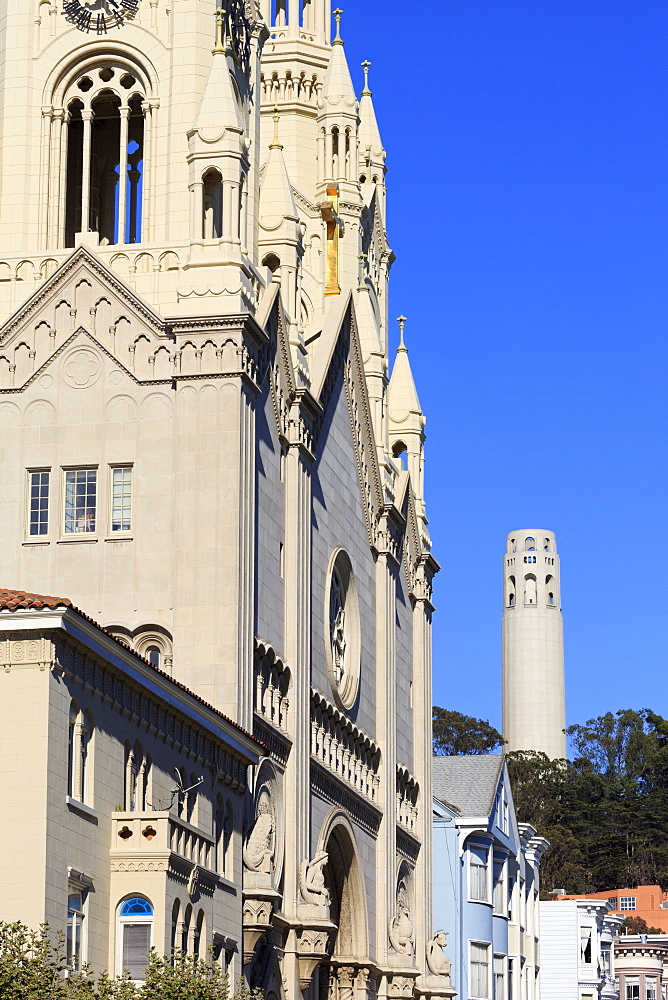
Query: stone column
[(123, 176)]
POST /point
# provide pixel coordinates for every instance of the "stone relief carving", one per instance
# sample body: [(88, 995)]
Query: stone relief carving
[(337, 626), (312, 880), (437, 963), (261, 844), (401, 931)]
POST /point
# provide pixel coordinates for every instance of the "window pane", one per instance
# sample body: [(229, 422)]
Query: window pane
[(136, 944), (39, 503), (80, 500), (121, 508), (74, 928)]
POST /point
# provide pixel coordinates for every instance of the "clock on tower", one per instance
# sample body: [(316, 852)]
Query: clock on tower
[(99, 15)]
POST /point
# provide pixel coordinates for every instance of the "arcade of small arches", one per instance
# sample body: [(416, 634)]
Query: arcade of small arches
[(531, 591)]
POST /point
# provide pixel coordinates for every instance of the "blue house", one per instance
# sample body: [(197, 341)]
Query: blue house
[(486, 880)]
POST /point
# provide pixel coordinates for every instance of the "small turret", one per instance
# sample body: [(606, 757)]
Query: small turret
[(338, 118), (371, 152), (406, 420), (218, 161)]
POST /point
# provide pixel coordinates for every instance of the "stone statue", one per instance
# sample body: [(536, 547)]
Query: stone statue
[(312, 880), (401, 925), (437, 963), (259, 850), (337, 627)]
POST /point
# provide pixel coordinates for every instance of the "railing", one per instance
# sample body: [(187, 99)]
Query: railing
[(137, 833), (272, 682), (339, 745), (408, 792)]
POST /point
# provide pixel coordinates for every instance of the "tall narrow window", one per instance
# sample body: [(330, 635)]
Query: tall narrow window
[(499, 977), (213, 206), (80, 500), (632, 988), (478, 874), (585, 945), (135, 929), (500, 891), (75, 930), (39, 502), (121, 498), (479, 984)]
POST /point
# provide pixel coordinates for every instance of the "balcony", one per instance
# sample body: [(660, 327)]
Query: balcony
[(160, 841)]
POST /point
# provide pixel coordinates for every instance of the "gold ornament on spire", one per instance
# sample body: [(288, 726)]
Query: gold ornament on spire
[(366, 66), (337, 14)]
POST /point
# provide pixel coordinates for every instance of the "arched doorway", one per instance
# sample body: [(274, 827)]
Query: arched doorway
[(340, 975)]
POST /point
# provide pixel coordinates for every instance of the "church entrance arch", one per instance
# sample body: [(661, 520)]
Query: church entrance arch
[(349, 944)]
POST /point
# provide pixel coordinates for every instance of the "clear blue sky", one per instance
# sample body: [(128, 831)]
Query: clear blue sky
[(528, 170)]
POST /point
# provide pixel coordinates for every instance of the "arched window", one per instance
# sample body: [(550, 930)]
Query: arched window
[(186, 929), (135, 936), (153, 656), (78, 753), (212, 223), (199, 936), (400, 451), (99, 125), (174, 939), (550, 591), (530, 544), (105, 157), (530, 589), (547, 544), (510, 600)]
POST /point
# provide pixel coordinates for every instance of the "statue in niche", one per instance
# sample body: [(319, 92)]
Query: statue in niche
[(337, 626), (437, 963), (260, 846), (401, 925), (312, 880)]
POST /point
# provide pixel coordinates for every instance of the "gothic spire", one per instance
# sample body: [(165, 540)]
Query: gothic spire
[(369, 133), (402, 394), (276, 198), (338, 85), (219, 107)]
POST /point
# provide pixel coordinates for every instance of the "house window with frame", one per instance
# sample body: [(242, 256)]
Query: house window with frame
[(627, 902), (478, 889), (632, 988), (75, 942), (80, 501), (135, 933), (651, 989), (479, 971), (39, 483), (499, 977), (121, 498), (585, 945), (500, 897)]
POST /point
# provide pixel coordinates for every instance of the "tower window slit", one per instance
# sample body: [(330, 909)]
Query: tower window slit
[(213, 206)]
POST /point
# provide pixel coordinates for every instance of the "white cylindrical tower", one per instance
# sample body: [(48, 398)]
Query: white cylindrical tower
[(534, 713)]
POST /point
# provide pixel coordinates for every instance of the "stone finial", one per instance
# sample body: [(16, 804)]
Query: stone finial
[(276, 143), (337, 14), (219, 47), (366, 65), (402, 320)]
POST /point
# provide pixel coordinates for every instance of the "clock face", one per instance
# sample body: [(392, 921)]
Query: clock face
[(99, 15)]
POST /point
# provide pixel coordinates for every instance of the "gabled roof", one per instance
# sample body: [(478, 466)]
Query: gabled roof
[(468, 782), (21, 600)]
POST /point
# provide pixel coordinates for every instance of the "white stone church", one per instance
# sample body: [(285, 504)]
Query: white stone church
[(215, 650)]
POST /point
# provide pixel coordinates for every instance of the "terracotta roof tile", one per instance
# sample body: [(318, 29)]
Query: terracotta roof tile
[(19, 600)]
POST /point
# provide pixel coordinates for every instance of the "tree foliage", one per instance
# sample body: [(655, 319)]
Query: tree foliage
[(605, 812), (33, 967), (637, 925), (454, 733)]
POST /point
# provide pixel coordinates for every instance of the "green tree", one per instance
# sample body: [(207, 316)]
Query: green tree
[(32, 967), (454, 733), (637, 925)]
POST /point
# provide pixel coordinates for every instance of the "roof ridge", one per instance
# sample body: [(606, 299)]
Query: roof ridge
[(22, 600)]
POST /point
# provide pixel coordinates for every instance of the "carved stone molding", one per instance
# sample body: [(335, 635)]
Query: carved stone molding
[(335, 791), (312, 947)]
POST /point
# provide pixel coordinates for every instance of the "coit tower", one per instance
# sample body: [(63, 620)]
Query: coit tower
[(534, 714)]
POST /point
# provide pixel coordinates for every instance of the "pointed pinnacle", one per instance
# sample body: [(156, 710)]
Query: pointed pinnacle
[(365, 66), (276, 143), (402, 320), (337, 14), (219, 47)]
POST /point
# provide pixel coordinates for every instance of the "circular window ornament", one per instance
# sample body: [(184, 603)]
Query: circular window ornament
[(342, 636)]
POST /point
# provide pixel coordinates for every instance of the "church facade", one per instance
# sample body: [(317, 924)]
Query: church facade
[(205, 452)]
